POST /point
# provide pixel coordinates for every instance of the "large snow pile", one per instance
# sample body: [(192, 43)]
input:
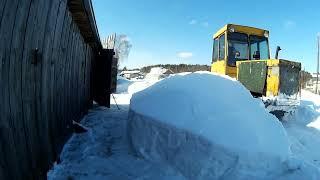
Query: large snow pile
[(123, 85), (209, 126), (215, 107), (156, 73)]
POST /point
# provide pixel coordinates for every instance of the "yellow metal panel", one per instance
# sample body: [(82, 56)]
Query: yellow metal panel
[(221, 31), (273, 62), (248, 30), (273, 81), (273, 77), (243, 29), (231, 71), (219, 67)]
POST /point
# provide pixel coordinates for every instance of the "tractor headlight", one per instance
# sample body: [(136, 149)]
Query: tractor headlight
[(266, 34), (231, 29)]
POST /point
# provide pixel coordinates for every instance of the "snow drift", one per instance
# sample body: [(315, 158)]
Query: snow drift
[(156, 73), (209, 126), (123, 84), (215, 107)]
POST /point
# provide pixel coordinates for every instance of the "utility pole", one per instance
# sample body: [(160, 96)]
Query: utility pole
[(317, 64)]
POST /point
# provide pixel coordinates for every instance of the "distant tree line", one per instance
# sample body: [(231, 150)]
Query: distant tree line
[(178, 68)]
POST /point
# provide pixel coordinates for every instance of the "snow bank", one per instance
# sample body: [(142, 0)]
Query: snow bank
[(209, 127), (123, 84), (156, 73), (303, 128), (217, 108), (140, 85)]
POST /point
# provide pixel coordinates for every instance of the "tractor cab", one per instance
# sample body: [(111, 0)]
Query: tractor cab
[(243, 53), (234, 43)]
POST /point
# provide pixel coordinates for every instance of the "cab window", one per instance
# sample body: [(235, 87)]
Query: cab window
[(259, 47), (238, 48), (221, 47), (215, 50)]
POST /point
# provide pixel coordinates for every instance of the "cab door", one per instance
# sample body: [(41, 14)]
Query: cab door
[(219, 55)]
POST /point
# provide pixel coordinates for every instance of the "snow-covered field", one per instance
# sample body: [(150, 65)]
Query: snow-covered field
[(104, 151)]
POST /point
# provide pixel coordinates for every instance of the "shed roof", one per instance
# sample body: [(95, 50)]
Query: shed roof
[(83, 15)]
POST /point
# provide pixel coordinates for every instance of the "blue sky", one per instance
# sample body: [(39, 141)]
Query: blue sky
[(180, 31)]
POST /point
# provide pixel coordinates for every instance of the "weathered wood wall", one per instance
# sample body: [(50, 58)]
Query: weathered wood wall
[(45, 65)]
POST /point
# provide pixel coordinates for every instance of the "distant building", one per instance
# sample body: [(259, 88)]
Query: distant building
[(312, 83), (132, 74)]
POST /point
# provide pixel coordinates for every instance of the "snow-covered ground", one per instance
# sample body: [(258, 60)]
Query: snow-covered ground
[(104, 152), (303, 129)]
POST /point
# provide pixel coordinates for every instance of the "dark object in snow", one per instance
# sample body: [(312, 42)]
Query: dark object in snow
[(278, 113), (78, 128)]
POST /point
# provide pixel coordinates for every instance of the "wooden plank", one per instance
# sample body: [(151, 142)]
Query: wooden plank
[(46, 78), (4, 127), (73, 79), (2, 6), (31, 93), (64, 73), (89, 76), (72, 75), (8, 138), (67, 81), (26, 107), (68, 76), (82, 79), (6, 142), (3, 165), (78, 77), (15, 78), (83, 100), (61, 60), (54, 66)]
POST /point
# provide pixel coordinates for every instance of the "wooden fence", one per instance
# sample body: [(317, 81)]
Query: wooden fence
[(46, 50)]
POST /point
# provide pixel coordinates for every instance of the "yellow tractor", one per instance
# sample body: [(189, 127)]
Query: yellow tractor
[(243, 53)]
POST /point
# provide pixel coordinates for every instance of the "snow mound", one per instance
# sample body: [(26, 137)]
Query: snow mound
[(215, 107), (140, 85), (208, 126), (123, 84), (156, 73)]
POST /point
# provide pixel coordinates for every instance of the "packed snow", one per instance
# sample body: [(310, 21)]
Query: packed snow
[(106, 152), (213, 106), (103, 152), (156, 73), (123, 85), (210, 120)]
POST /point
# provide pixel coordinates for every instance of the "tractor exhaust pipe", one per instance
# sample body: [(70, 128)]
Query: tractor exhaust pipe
[(277, 52)]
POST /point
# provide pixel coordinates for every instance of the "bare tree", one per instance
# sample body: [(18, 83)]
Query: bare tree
[(121, 45)]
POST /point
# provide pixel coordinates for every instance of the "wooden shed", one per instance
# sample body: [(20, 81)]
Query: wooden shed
[(52, 66)]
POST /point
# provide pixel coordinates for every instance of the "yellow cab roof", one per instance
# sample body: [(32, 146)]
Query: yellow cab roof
[(241, 29)]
